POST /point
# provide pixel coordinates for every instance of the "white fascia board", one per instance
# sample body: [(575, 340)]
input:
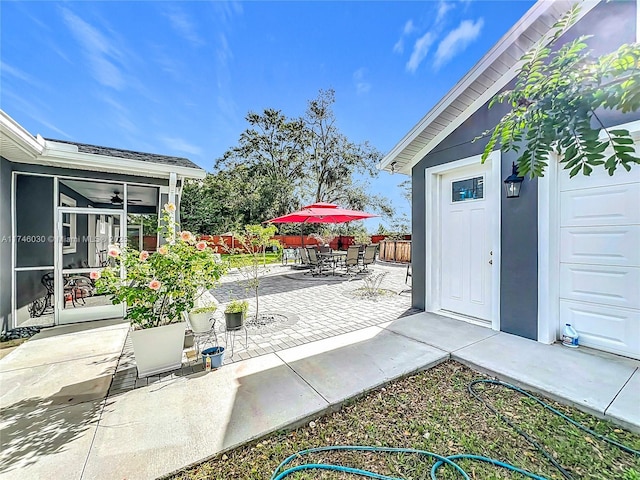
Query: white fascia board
[(90, 161), (495, 88), (471, 76), (21, 138), (503, 44)]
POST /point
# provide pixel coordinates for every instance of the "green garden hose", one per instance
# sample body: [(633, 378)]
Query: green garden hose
[(440, 460)]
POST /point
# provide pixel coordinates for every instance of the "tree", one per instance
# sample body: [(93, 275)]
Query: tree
[(227, 200), (254, 241), (333, 159), (405, 187), (555, 104), (272, 148), (280, 164)]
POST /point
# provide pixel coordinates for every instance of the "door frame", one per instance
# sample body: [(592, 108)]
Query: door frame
[(433, 227), (549, 243), (109, 311)]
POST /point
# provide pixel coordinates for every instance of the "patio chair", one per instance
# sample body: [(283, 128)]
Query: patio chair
[(351, 260), (289, 254), (369, 256), (304, 259), (324, 248), (315, 261)]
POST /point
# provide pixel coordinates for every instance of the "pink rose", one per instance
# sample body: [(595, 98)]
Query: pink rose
[(170, 207), (155, 284), (163, 250), (114, 251), (201, 245), (95, 275), (144, 255), (186, 236)]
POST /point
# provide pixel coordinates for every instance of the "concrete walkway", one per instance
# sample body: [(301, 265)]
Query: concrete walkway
[(67, 428)]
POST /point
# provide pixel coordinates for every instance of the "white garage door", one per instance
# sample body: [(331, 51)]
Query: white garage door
[(600, 259)]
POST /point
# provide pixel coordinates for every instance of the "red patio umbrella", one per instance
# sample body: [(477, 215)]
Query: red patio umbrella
[(322, 212)]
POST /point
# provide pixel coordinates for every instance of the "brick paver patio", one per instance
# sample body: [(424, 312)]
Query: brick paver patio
[(307, 309)]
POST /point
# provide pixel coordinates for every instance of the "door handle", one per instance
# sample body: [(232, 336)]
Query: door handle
[(491, 262)]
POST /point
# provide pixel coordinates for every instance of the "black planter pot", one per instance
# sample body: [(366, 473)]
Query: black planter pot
[(234, 321)]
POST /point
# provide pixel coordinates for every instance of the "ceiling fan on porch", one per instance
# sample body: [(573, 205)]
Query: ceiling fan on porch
[(116, 199)]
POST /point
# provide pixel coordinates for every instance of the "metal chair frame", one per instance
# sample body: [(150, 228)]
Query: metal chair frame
[(352, 259), (316, 262), (369, 257)]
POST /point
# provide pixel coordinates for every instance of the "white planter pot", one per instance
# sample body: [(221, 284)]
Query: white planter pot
[(200, 322), (158, 349)]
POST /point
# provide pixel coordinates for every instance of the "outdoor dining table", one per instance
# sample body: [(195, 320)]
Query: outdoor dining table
[(334, 257)]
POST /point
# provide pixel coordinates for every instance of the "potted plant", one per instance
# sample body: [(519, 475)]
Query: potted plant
[(234, 314), (200, 318), (158, 289)]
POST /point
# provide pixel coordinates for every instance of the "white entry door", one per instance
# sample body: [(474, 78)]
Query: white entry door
[(466, 242), (600, 258)]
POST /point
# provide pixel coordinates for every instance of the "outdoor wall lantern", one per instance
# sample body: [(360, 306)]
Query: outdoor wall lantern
[(513, 183), (393, 167)]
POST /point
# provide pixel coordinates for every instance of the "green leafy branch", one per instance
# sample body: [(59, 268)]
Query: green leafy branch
[(555, 101)]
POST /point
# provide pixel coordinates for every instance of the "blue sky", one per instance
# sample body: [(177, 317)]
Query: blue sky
[(178, 78)]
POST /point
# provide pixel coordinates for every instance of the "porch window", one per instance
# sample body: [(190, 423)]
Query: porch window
[(68, 225)]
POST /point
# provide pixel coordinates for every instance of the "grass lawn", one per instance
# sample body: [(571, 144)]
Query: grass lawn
[(241, 260), (434, 411)]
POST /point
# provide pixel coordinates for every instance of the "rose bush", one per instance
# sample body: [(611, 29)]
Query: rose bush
[(158, 287)]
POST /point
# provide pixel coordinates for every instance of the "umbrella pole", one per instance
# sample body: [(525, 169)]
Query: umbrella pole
[(301, 236)]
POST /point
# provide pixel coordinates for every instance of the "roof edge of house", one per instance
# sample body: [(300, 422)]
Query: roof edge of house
[(10, 128), (507, 40), (39, 151)]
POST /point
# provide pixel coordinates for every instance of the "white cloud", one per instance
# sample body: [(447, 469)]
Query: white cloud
[(409, 27), (182, 24), (399, 46), (223, 51), (7, 69), (225, 11), (120, 115), (362, 86), (443, 8), (50, 126), (181, 145), (420, 50), (457, 40), (34, 109), (100, 52)]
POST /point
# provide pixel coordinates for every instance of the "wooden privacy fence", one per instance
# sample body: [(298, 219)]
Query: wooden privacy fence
[(395, 251), (390, 250)]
